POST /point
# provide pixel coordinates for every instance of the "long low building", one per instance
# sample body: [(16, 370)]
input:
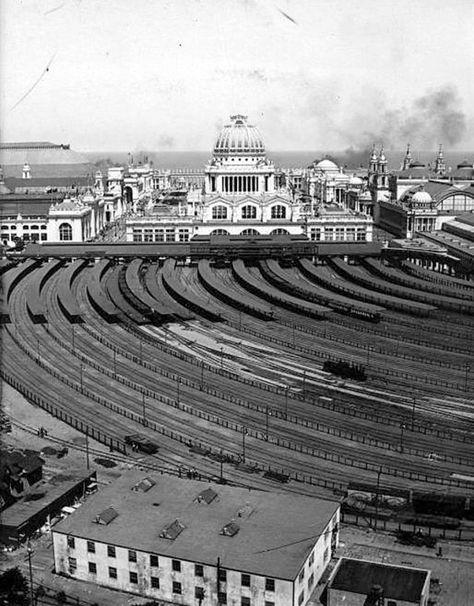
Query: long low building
[(189, 542), (40, 505)]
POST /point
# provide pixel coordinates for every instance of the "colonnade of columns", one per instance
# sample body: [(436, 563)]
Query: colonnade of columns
[(240, 184)]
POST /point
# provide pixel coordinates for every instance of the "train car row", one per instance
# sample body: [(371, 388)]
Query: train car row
[(394, 275), (273, 272)]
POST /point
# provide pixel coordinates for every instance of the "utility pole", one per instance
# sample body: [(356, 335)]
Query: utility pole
[(402, 427), (144, 412), (267, 414), (80, 374), (286, 401), (73, 344), (29, 551), (87, 448), (115, 364), (177, 389), (379, 473), (141, 351), (413, 414), (202, 373), (244, 433)]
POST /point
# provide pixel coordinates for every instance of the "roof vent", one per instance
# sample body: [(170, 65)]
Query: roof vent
[(245, 511), (375, 597), (206, 496), (106, 516), (172, 531), (230, 529), (144, 485)]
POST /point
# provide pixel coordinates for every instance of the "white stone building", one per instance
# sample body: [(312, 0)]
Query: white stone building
[(189, 542), (57, 210), (241, 196)]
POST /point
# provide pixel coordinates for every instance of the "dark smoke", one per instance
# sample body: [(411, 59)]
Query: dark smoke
[(434, 118)]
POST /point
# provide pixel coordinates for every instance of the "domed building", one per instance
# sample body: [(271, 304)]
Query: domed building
[(425, 208), (243, 195), (239, 164)]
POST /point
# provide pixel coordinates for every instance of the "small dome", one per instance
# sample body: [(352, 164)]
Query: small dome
[(356, 181), (239, 137), (465, 164), (326, 165), (417, 164), (421, 197)]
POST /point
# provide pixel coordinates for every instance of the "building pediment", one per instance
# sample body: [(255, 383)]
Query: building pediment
[(277, 200)]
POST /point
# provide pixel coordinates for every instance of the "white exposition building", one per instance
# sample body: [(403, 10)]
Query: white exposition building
[(188, 542), (240, 197)]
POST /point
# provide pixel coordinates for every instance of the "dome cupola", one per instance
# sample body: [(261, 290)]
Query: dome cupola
[(421, 197), (239, 138)]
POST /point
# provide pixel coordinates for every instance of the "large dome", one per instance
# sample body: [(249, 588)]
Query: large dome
[(239, 137), (326, 165)]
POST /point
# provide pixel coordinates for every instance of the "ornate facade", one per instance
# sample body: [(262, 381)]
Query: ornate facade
[(242, 195), (419, 198)]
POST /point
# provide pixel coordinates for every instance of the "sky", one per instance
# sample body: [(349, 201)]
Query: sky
[(166, 75)]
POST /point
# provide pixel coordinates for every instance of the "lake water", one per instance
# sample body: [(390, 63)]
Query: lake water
[(283, 159)]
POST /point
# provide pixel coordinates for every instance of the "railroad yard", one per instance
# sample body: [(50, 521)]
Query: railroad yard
[(221, 367)]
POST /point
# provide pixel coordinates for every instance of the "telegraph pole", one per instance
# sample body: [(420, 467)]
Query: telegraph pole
[(244, 433), (29, 551), (286, 401), (87, 447), (144, 412), (402, 427), (379, 473)]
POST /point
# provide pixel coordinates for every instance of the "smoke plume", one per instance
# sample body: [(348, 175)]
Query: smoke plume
[(433, 118)]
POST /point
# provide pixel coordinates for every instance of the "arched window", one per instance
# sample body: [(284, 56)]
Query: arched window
[(65, 231), (219, 232), (219, 212), (278, 212), (249, 212), (249, 232), (279, 232)]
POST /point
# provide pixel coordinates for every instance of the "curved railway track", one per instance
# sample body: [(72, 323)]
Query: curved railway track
[(127, 378)]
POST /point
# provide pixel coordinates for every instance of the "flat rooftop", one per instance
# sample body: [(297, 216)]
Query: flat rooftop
[(42, 495), (398, 582), (272, 533)]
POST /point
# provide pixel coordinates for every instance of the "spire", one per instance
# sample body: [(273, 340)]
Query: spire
[(440, 164), (373, 161), (407, 158)]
